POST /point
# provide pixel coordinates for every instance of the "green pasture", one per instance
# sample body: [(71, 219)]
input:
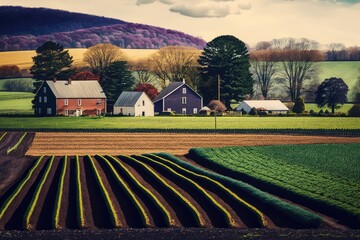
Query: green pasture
[(343, 109), (181, 122), (16, 102)]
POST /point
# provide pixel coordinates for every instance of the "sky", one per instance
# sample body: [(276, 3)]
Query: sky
[(252, 21)]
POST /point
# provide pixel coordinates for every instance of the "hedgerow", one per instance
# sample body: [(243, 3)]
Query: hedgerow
[(108, 202), (196, 214), (35, 198), (19, 188), (144, 216), (201, 190), (221, 187), (9, 150), (302, 217), (151, 197), (59, 195)]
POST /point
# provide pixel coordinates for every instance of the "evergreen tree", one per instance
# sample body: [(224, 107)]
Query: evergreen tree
[(299, 106), (118, 79), (331, 93), (51, 61), (225, 57)]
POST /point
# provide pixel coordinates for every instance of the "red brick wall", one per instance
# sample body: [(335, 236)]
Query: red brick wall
[(88, 106)]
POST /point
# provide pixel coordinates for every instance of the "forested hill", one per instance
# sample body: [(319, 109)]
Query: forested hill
[(27, 28), (42, 21)]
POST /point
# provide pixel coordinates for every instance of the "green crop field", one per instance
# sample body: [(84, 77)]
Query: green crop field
[(327, 174), (181, 122), (11, 102)]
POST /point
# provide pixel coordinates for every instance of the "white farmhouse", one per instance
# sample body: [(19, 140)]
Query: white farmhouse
[(269, 106), (134, 104)]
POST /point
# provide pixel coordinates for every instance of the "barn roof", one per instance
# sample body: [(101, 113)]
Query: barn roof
[(127, 99), (173, 86), (269, 105), (76, 89)]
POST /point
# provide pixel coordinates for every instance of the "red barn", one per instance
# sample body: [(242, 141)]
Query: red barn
[(70, 98)]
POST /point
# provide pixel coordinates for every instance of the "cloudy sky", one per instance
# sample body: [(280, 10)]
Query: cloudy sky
[(326, 21)]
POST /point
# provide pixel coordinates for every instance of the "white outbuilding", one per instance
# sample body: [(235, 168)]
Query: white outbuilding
[(136, 104), (268, 106)]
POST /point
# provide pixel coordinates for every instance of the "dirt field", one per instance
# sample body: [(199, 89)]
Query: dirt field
[(46, 143)]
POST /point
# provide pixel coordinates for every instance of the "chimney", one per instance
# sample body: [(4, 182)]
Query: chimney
[(69, 81), (54, 80), (184, 80)]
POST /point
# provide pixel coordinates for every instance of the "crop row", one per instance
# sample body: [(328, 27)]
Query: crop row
[(3, 135), (17, 144), (272, 174)]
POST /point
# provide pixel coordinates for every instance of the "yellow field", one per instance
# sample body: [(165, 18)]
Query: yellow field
[(23, 59)]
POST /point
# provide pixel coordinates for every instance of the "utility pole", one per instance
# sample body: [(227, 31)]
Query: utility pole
[(218, 78)]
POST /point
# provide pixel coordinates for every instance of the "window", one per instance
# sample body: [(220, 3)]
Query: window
[(98, 101), (66, 102), (184, 90), (98, 112), (184, 111), (195, 111), (48, 111), (45, 98), (169, 109), (183, 100), (40, 111), (40, 99), (79, 102), (66, 112), (143, 103), (44, 89)]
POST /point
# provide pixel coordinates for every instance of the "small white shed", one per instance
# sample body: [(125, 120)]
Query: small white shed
[(136, 104), (269, 106)]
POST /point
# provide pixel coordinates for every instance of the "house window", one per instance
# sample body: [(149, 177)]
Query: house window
[(79, 102), (66, 112), (143, 103), (184, 90), (184, 111), (183, 100), (98, 101), (98, 112), (40, 111), (195, 111), (44, 89), (45, 98), (40, 99), (48, 111), (66, 102), (169, 109)]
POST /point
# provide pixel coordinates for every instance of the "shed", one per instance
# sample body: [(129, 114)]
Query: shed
[(268, 106), (134, 104)]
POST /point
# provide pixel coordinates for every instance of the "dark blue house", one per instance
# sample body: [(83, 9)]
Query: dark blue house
[(179, 98)]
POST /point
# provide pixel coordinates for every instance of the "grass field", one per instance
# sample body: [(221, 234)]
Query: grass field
[(182, 122), (328, 174), (11, 102), (313, 106)]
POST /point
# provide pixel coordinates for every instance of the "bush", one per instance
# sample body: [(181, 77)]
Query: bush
[(299, 106), (312, 112), (253, 112), (354, 111), (167, 114)]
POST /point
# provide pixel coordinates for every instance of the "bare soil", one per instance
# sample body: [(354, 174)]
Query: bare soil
[(138, 143)]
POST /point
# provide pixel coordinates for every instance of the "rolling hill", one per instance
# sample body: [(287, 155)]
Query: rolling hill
[(27, 28)]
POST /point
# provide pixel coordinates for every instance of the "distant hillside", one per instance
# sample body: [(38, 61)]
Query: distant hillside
[(27, 28)]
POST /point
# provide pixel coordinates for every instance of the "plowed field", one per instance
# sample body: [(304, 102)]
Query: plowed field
[(46, 143)]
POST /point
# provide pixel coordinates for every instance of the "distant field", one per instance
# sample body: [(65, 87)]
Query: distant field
[(312, 106), (11, 102), (182, 122), (23, 59)]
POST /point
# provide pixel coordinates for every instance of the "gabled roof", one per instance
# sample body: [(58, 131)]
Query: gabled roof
[(77, 89), (269, 105), (128, 99), (173, 86)]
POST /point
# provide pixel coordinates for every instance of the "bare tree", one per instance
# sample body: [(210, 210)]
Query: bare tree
[(100, 56), (263, 45), (174, 63), (299, 59), (141, 68), (264, 66)]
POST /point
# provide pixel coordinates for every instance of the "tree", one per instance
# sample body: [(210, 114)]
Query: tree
[(227, 58), (51, 61), (141, 69), (85, 75), (356, 91), (117, 80), (217, 106), (101, 56), (148, 88), (9, 71), (299, 59), (175, 63), (264, 67), (331, 93), (299, 106)]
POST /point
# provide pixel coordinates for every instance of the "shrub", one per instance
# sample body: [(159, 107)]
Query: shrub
[(354, 111), (299, 106), (312, 112), (253, 112)]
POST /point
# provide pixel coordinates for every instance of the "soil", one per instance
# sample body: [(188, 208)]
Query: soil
[(139, 143)]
